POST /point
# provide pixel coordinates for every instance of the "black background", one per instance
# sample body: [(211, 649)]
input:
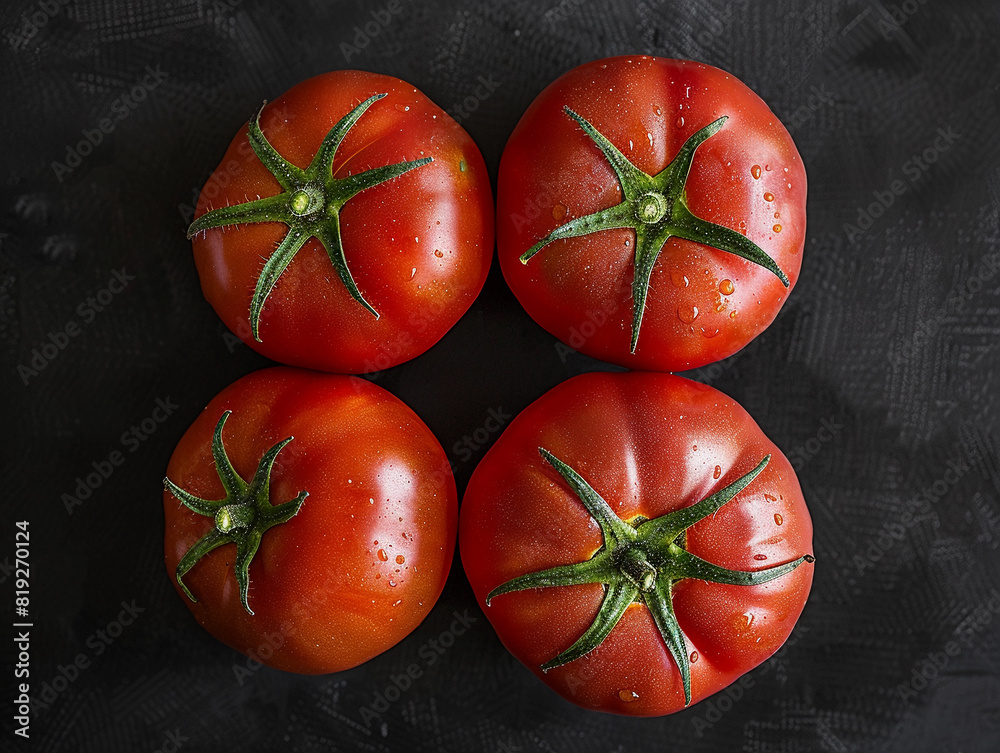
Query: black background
[(889, 335)]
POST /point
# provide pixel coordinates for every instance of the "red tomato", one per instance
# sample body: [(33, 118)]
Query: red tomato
[(396, 221), (615, 248), (360, 553), (717, 597)]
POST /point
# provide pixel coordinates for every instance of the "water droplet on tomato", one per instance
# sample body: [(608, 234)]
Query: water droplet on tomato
[(726, 287), (400, 559), (650, 137), (438, 252), (777, 228), (777, 215), (413, 273), (382, 555), (687, 314), (767, 167), (558, 212), (732, 314), (718, 472), (778, 520), (709, 334), (769, 196), (402, 108), (392, 583), (770, 497), (749, 618), (755, 171), (631, 146), (680, 122), (760, 557), (694, 656), (679, 280), (657, 110), (628, 696)]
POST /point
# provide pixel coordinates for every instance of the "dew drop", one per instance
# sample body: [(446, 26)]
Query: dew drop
[(680, 122), (760, 557), (400, 559), (777, 215), (438, 252), (726, 287), (413, 272), (770, 497), (679, 280), (708, 335), (657, 110), (732, 314), (687, 315), (558, 212), (694, 656), (392, 583), (628, 696), (718, 472), (769, 196), (755, 171), (650, 137), (749, 618), (777, 228), (778, 520), (767, 167), (402, 108), (382, 555)]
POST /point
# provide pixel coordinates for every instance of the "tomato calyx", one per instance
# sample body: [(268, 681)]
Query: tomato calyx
[(309, 204), (640, 562), (241, 517), (655, 207)]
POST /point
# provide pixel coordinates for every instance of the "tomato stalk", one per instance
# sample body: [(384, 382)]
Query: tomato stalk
[(241, 517), (309, 205), (641, 563), (655, 207)]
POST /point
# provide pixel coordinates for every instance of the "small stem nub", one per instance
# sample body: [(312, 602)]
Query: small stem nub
[(637, 568), (231, 517), (652, 208)]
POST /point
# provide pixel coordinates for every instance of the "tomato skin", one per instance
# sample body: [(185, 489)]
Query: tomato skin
[(632, 437), (579, 289), (309, 318), (318, 585)]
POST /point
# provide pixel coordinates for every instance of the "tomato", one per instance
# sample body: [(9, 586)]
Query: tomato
[(350, 499), (651, 212), (348, 227), (637, 542)]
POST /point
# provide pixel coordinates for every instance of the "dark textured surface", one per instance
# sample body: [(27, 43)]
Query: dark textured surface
[(890, 337)]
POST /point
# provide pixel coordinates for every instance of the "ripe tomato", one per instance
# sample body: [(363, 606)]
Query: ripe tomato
[(651, 212), (355, 521), (697, 589), (351, 225)]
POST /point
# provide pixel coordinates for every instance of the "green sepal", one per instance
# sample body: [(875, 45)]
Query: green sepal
[(655, 207), (241, 517), (641, 563), (309, 204)]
